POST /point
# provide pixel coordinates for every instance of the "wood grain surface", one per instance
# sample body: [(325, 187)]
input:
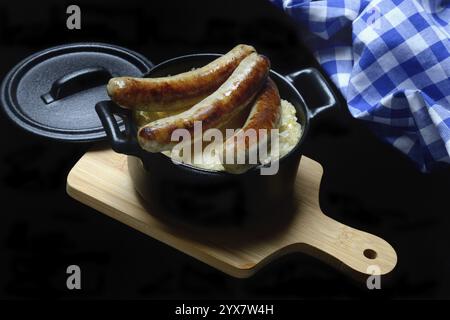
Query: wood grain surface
[(100, 180)]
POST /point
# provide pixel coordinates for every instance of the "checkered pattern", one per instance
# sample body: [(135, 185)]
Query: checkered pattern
[(391, 61)]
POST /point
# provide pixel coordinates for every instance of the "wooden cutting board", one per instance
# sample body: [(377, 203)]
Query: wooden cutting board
[(100, 180)]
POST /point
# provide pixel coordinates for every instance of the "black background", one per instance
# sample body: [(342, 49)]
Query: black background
[(367, 184)]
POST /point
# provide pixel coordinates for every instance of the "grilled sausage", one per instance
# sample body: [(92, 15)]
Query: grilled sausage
[(255, 133), (179, 91), (215, 110)]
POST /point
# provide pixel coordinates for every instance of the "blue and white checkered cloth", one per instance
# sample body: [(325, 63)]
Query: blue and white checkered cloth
[(391, 61)]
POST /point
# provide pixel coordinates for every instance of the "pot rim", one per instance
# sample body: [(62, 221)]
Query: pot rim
[(294, 150)]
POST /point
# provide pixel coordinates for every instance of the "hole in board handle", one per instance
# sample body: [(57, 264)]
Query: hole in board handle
[(370, 254)]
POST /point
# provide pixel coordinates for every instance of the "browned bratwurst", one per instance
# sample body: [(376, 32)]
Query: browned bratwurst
[(215, 110), (255, 133), (179, 91)]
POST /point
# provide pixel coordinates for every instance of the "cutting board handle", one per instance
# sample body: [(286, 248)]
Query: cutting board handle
[(349, 249)]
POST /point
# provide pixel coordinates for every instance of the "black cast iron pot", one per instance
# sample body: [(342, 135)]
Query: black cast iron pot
[(202, 196)]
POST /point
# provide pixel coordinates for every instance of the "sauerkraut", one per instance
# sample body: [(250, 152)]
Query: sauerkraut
[(289, 135)]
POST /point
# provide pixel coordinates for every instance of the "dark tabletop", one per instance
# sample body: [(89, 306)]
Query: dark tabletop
[(366, 184)]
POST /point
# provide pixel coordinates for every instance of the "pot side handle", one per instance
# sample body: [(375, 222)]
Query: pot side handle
[(122, 142), (315, 90)]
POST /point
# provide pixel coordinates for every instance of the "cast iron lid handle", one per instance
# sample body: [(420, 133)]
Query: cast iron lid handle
[(315, 89), (122, 142), (77, 81)]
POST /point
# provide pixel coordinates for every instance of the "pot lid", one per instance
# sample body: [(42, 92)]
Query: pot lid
[(53, 92)]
